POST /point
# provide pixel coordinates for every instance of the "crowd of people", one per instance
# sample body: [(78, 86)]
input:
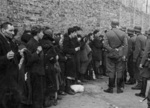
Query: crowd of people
[(40, 66)]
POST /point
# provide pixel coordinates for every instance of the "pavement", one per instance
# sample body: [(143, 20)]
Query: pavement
[(94, 97)]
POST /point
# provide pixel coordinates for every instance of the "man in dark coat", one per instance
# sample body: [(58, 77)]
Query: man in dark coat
[(70, 51), (115, 42), (96, 46), (9, 70), (36, 67), (137, 55), (50, 58)]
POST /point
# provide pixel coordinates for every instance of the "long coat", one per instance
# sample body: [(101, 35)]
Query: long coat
[(96, 46), (9, 70), (69, 50), (36, 61), (49, 61), (139, 47), (138, 53), (37, 73), (145, 72)]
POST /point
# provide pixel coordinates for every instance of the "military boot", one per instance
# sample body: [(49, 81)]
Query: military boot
[(119, 85), (143, 89), (111, 84), (137, 87)]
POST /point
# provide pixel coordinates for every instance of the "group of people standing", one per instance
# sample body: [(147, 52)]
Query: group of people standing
[(128, 52), (40, 66)]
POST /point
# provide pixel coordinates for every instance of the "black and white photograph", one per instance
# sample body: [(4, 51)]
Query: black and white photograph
[(74, 53)]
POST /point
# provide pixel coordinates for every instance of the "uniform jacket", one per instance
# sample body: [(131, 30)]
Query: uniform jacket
[(145, 71), (131, 45), (146, 51), (37, 60), (139, 47), (111, 41)]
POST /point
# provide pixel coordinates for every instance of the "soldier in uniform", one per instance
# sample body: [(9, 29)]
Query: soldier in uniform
[(137, 55), (115, 42), (144, 65), (131, 48)]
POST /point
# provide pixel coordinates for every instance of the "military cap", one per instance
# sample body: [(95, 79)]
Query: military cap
[(137, 29), (114, 23), (130, 31), (123, 29), (148, 32)]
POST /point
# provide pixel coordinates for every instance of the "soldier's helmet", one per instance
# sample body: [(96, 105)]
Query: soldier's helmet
[(123, 28), (137, 29), (148, 32), (114, 23), (130, 31)]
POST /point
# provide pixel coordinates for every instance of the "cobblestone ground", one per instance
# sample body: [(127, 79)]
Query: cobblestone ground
[(94, 97)]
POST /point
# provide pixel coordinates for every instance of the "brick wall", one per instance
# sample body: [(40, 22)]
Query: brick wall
[(61, 14)]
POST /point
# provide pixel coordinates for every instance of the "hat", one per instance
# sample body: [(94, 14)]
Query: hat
[(130, 31), (114, 23), (48, 32), (137, 29), (148, 32), (96, 31), (77, 28), (71, 30), (123, 29)]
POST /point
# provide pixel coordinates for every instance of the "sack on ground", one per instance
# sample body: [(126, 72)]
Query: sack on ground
[(77, 88)]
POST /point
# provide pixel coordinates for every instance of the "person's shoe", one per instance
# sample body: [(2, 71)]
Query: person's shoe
[(48, 103), (109, 90), (70, 92), (62, 93), (137, 87), (55, 103), (119, 90), (140, 95), (130, 82)]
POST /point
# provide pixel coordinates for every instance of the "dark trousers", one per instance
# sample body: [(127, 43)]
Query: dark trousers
[(115, 68), (97, 68), (37, 90), (136, 68), (130, 66)]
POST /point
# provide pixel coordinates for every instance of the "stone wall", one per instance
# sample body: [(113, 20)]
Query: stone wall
[(61, 14)]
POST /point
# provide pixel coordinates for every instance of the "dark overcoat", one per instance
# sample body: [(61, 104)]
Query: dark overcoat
[(96, 46), (69, 50), (9, 70)]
